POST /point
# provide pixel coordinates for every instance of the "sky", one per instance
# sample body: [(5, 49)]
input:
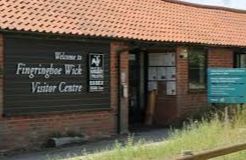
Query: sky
[(237, 4)]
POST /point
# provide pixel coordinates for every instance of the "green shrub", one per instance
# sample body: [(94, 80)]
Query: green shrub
[(205, 134)]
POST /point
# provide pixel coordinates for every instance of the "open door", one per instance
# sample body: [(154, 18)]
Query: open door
[(136, 89)]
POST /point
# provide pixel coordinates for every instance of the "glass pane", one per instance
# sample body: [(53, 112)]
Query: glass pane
[(196, 58), (243, 61), (197, 78), (197, 66)]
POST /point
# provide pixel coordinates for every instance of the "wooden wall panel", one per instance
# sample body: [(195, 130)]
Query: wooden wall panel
[(21, 87)]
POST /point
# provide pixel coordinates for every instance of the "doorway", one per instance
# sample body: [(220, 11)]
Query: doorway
[(136, 89)]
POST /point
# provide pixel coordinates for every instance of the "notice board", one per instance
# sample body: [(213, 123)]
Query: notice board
[(44, 76), (162, 68), (227, 85)]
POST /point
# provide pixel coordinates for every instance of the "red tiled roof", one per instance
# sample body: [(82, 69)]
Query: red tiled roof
[(151, 20)]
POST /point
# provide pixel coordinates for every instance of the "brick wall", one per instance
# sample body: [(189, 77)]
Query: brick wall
[(25, 132), (30, 132), (188, 102), (219, 57)]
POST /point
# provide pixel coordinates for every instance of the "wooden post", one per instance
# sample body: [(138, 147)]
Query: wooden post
[(150, 108), (226, 115)]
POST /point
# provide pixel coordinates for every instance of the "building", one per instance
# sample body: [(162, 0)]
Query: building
[(89, 67)]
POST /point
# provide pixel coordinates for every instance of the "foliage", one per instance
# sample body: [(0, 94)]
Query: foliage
[(195, 136)]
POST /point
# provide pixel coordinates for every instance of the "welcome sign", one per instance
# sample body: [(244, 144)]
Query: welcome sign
[(49, 70), (51, 76)]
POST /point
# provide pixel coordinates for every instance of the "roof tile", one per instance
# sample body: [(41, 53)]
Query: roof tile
[(152, 20)]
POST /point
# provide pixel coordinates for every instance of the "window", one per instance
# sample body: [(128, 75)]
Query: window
[(241, 60), (197, 58)]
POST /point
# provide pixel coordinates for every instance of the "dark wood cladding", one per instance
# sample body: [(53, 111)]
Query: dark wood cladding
[(19, 98)]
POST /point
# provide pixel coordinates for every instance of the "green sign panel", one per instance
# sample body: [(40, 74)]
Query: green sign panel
[(227, 85)]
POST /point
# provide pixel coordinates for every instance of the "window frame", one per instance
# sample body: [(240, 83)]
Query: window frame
[(237, 59), (206, 51)]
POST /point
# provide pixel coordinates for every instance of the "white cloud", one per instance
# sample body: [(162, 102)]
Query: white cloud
[(238, 4)]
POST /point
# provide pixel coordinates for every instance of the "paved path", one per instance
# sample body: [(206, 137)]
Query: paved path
[(154, 135)]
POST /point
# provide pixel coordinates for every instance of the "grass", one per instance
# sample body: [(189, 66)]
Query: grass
[(196, 136)]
